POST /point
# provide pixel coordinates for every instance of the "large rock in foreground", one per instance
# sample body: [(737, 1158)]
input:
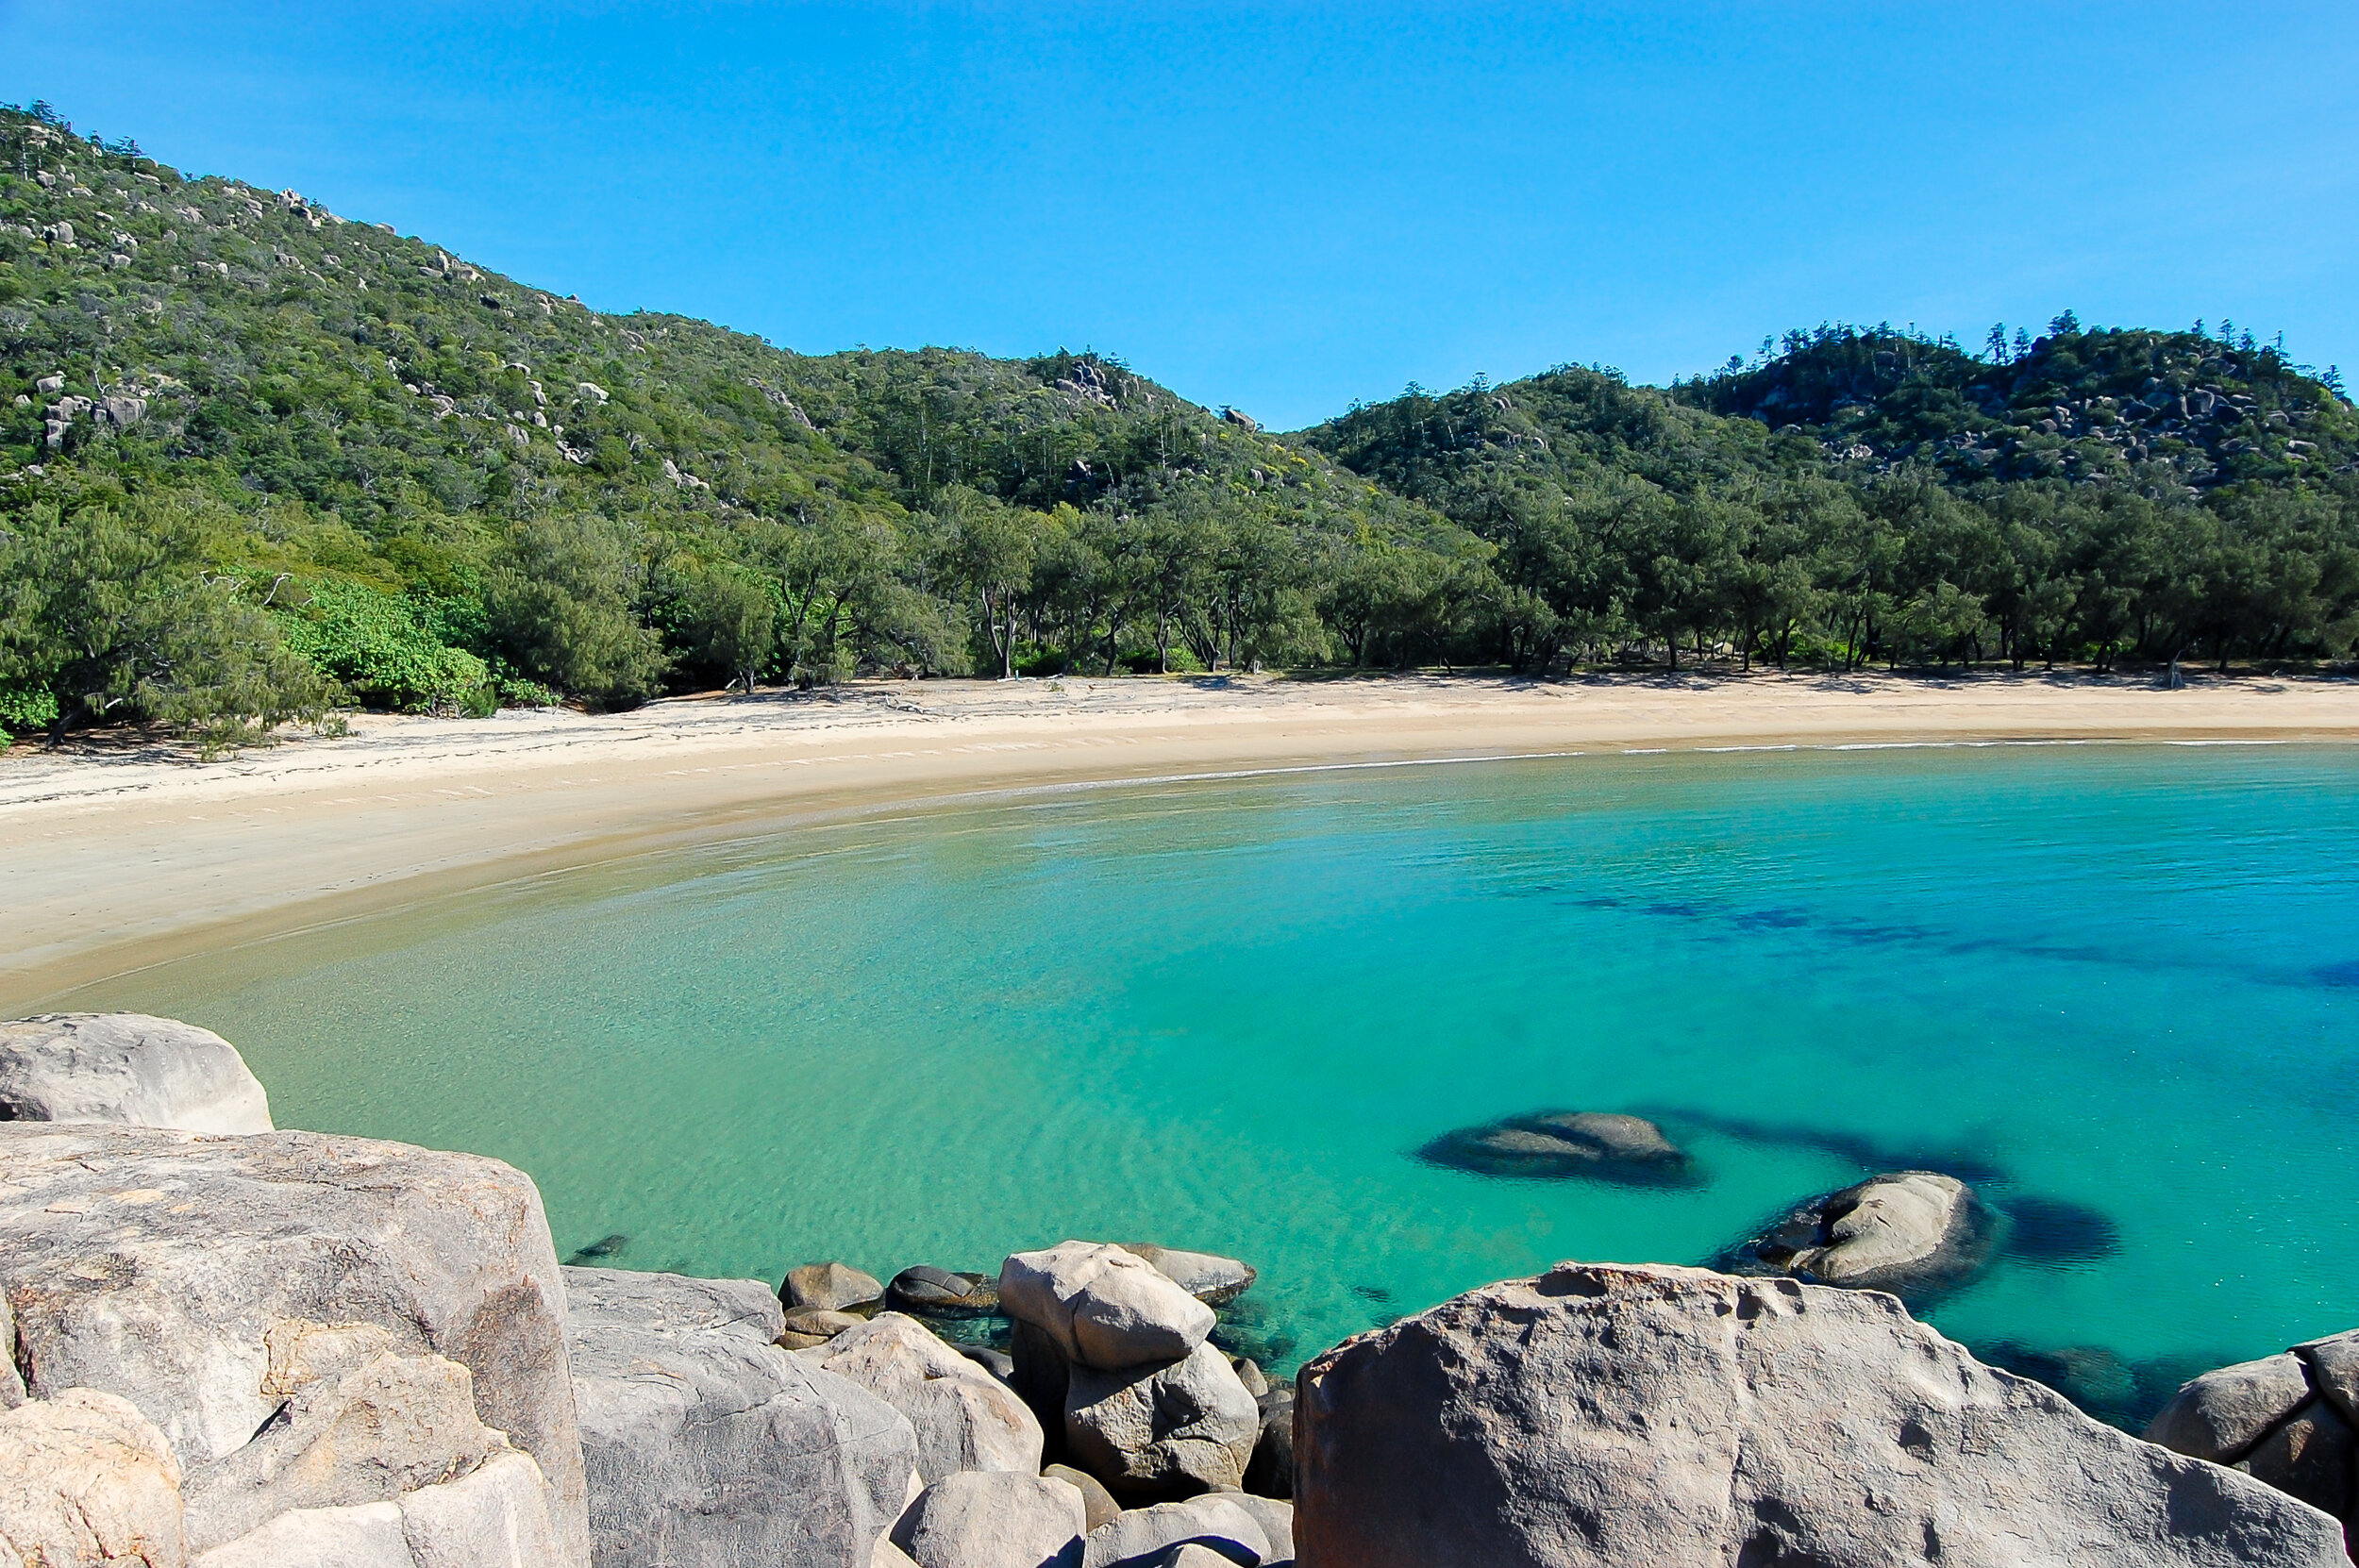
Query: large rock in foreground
[(708, 1446), (1636, 1416), (2291, 1420), (157, 1264), (127, 1067)]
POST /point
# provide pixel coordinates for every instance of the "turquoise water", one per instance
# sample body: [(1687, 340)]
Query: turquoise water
[(1224, 1015)]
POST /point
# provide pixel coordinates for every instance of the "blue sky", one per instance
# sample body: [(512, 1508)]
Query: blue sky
[(1289, 207)]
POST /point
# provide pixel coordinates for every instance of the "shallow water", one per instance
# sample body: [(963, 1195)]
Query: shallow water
[(2121, 981)]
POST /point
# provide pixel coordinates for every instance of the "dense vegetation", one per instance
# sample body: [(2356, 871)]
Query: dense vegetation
[(258, 461)]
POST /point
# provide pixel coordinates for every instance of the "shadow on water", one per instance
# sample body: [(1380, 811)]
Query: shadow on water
[(2057, 1230), (1854, 1148), (2123, 1394), (2337, 974)]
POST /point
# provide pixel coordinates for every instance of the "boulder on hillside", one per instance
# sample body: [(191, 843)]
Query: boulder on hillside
[(1174, 1430), (1603, 1145), (87, 1479), (979, 1519), (930, 1293), (2291, 1420), (1211, 1278), (1603, 1415), (830, 1288), (155, 1264), (708, 1446), (1102, 1307), (127, 1067), (1914, 1233), (966, 1419)]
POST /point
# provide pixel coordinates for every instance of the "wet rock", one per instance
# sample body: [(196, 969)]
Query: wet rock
[(1103, 1307), (1171, 1430), (1601, 1414), (831, 1288), (87, 1479), (1911, 1232), (709, 1446), (155, 1264), (932, 1292), (981, 1519), (1143, 1536), (1603, 1145), (1211, 1278), (127, 1067), (966, 1419)]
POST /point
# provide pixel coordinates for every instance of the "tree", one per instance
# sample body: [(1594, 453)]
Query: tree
[(559, 599), (730, 618)]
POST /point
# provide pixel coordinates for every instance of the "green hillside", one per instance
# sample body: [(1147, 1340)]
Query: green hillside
[(258, 460)]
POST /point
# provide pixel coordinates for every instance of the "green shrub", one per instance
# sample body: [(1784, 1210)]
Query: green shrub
[(384, 650)]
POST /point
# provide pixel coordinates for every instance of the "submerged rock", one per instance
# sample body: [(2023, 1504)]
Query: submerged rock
[(1911, 1232), (1602, 1145), (1636, 1416), (127, 1067)]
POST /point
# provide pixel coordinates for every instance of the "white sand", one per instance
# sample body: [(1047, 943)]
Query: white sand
[(120, 858)]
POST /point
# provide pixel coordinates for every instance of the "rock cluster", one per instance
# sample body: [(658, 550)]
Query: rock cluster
[(2291, 1420), (1637, 1416)]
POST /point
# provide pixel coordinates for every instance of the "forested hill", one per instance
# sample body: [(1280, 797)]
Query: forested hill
[(258, 461)]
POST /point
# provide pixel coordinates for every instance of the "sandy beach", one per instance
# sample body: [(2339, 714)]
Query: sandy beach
[(121, 856)]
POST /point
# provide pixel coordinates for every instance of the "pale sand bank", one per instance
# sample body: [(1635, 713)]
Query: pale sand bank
[(118, 859)]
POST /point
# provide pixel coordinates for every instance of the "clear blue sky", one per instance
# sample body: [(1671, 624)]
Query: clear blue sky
[(1288, 207)]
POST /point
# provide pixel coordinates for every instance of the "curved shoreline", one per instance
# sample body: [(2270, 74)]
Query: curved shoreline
[(120, 861)]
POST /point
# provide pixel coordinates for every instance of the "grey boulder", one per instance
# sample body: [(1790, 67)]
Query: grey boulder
[(981, 1519), (1141, 1536), (85, 1478), (491, 1519), (966, 1419), (1102, 1307), (707, 1445), (1208, 1276), (807, 1327), (1097, 1505), (1164, 1432), (830, 1288), (932, 1292), (1643, 1415), (127, 1067), (2291, 1420), (155, 1264), (1909, 1232)]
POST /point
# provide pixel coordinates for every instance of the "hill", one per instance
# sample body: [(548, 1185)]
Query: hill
[(257, 459)]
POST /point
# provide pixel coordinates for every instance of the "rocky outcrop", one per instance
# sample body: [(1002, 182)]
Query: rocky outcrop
[(157, 1265), (966, 1419), (1174, 1429), (2291, 1420), (981, 1520), (1605, 1146), (127, 1067), (707, 1445), (1636, 1417), (86, 1479), (1211, 1278), (1914, 1233), (1115, 1352), (1103, 1307), (830, 1288)]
